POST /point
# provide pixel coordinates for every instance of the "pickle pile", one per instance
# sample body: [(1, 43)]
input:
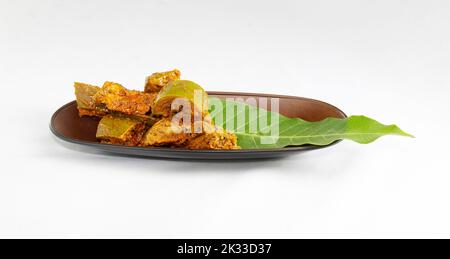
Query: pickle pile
[(169, 113)]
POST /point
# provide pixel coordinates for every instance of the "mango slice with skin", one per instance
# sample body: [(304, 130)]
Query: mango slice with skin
[(121, 130), (181, 90), (85, 100), (158, 80)]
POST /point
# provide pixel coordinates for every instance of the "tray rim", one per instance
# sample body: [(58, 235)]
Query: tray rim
[(183, 150)]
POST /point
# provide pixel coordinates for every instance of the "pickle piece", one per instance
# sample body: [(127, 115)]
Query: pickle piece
[(121, 130), (166, 133), (216, 140), (85, 100), (181, 89), (157, 81), (117, 98)]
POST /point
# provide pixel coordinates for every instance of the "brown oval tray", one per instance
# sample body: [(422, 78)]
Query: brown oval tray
[(79, 132)]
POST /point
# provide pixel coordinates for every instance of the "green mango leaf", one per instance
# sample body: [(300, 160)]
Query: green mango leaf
[(258, 128)]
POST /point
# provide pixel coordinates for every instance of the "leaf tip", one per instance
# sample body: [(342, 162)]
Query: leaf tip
[(402, 132), (406, 134)]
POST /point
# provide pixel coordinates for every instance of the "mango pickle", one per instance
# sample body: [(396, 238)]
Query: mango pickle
[(85, 100), (158, 80), (119, 99), (194, 94), (151, 118), (121, 130)]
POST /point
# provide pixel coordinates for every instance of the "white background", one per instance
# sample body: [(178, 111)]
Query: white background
[(386, 59)]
